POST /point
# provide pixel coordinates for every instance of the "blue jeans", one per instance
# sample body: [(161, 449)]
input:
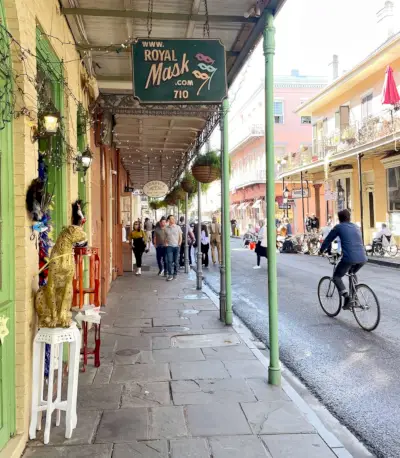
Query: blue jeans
[(172, 258), (161, 258)]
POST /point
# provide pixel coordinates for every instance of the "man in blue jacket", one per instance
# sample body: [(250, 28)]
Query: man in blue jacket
[(354, 256)]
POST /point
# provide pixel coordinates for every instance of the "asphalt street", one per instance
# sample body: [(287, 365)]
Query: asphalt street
[(354, 373)]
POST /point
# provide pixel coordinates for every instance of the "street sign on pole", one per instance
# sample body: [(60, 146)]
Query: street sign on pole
[(299, 193), (179, 70)]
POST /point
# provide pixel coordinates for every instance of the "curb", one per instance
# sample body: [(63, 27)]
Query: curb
[(379, 262), (246, 335)]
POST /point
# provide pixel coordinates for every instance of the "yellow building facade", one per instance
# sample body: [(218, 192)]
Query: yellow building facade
[(24, 24), (356, 144)]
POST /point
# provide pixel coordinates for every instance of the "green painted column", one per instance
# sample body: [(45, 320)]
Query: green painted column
[(226, 225), (274, 370)]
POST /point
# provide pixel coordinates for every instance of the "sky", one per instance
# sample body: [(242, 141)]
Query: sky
[(308, 33)]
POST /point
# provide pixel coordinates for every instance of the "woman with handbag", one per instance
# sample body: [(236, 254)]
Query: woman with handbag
[(261, 247), (139, 242)]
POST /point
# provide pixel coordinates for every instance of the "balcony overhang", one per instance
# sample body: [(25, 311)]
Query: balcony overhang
[(158, 141)]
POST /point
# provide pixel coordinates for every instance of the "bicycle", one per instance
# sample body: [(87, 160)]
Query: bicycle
[(364, 302)]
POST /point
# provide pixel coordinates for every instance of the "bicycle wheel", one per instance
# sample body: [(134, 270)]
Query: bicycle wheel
[(392, 250), (378, 249), (366, 309), (329, 297)]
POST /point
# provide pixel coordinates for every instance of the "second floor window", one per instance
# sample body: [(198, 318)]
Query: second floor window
[(278, 111), (306, 119), (366, 107)]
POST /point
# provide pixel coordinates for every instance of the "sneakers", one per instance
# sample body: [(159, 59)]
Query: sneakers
[(257, 267), (160, 272), (175, 277), (348, 303), (139, 271), (170, 278)]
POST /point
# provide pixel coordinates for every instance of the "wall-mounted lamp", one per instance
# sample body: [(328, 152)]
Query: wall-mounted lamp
[(83, 161), (340, 191), (48, 124)]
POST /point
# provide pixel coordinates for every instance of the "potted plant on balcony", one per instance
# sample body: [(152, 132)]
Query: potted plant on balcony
[(349, 135), (207, 167)]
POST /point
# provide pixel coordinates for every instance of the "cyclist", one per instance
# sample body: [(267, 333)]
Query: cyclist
[(353, 252)]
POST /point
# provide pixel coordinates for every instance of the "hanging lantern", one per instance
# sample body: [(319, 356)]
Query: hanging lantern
[(50, 123)]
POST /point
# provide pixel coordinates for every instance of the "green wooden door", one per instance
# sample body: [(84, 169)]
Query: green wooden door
[(7, 256)]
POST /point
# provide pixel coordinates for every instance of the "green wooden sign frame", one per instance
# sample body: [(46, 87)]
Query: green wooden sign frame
[(182, 71)]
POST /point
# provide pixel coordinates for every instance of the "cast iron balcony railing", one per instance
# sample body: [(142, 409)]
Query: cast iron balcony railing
[(244, 133), (242, 179), (355, 135)]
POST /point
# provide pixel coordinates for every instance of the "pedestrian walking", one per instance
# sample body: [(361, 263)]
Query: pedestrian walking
[(205, 244), (307, 223), (215, 240), (173, 240), (148, 227), (159, 243), (190, 240), (314, 221), (261, 247), (139, 243)]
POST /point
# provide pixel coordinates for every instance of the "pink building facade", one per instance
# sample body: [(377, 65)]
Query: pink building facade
[(247, 151)]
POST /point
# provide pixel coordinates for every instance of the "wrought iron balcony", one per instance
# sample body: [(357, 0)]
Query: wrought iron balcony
[(350, 138), (245, 133), (242, 179)]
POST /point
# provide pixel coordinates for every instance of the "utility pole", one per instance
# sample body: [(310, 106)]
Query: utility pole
[(359, 158), (274, 370)]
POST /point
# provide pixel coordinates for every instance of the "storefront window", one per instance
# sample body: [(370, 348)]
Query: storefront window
[(393, 183)]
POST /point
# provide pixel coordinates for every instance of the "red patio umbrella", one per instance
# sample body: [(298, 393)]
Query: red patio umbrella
[(390, 95)]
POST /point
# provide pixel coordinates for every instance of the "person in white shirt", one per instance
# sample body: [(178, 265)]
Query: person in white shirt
[(205, 244), (261, 247), (385, 234)]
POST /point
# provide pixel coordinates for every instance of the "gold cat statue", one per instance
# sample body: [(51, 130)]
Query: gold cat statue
[(53, 301)]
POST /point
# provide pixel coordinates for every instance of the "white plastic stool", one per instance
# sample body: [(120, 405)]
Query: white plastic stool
[(55, 337)]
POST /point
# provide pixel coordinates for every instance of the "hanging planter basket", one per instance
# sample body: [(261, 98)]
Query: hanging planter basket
[(178, 194), (205, 173), (188, 185)]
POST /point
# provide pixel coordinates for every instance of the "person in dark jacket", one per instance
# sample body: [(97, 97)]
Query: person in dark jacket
[(354, 256)]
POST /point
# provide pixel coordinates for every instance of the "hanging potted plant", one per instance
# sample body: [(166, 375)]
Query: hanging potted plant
[(188, 183), (207, 167), (178, 193)]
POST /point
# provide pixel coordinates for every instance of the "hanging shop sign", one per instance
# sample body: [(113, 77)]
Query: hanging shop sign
[(297, 194), (179, 71), (155, 189)]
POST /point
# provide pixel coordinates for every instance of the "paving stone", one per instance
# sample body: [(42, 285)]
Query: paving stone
[(107, 397), (245, 369), (88, 421), (193, 448), (141, 373), (177, 355), (71, 451), (145, 449), (146, 394), (87, 377), (210, 391), (103, 375), (297, 446), (202, 306), (161, 343), (137, 343), (125, 322), (232, 353), (278, 417), (238, 447), (165, 331), (124, 425), (167, 423), (172, 321), (128, 356), (266, 392), (204, 340), (216, 420), (133, 332), (198, 370)]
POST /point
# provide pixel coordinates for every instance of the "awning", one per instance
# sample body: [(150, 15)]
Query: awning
[(233, 206), (257, 203)]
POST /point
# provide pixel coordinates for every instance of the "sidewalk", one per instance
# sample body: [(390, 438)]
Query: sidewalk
[(175, 382), (394, 263)]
